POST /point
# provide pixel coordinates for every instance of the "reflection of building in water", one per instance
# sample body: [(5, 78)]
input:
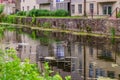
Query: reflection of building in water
[(10, 40), (99, 62), (59, 50), (28, 48), (56, 50), (70, 57)]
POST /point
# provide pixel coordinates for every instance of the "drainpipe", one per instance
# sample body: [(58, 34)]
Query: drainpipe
[(116, 12), (85, 8), (97, 9), (70, 8)]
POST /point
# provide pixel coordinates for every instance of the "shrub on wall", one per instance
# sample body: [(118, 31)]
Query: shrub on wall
[(61, 13), (21, 13), (8, 18), (39, 12), (1, 8), (2, 17), (118, 15), (1, 12)]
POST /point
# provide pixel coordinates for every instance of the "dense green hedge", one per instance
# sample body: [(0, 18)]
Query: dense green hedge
[(39, 12), (61, 13), (8, 19), (21, 13)]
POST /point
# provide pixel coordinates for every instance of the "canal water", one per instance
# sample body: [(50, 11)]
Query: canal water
[(82, 57)]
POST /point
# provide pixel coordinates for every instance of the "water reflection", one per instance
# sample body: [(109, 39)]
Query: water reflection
[(82, 57), (85, 56)]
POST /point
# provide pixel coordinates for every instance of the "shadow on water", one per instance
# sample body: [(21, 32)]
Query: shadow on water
[(82, 57)]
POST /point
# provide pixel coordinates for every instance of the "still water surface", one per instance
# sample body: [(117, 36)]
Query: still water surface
[(82, 57)]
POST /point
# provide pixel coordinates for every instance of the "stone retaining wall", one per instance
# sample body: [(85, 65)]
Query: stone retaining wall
[(101, 26)]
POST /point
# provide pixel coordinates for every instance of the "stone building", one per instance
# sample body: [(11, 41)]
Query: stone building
[(17, 5), (95, 7), (27, 5), (75, 7), (9, 6), (44, 4)]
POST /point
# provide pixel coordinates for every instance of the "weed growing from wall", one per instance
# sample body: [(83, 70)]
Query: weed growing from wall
[(112, 32), (1, 8), (46, 25), (33, 20), (63, 26), (112, 35), (11, 19), (20, 20), (88, 28), (33, 35)]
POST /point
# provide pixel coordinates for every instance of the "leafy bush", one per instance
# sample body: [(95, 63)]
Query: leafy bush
[(11, 19), (31, 13), (1, 8), (61, 13), (3, 17), (21, 13), (39, 12), (11, 68), (44, 13), (52, 13)]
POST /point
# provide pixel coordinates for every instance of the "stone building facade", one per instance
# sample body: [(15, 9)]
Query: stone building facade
[(9, 6), (75, 7), (95, 7), (27, 5)]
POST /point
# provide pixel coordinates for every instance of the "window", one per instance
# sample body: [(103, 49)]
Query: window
[(80, 48), (80, 8), (111, 74), (100, 72), (107, 9), (27, 8), (23, 8), (91, 72), (39, 6), (73, 9), (59, 51), (80, 67), (91, 50), (106, 53), (73, 67), (104, 10), (91, 7), (34, 7), (97, 72)]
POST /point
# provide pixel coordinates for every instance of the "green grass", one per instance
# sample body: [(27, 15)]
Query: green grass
[(55, 17), (67, 17)]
